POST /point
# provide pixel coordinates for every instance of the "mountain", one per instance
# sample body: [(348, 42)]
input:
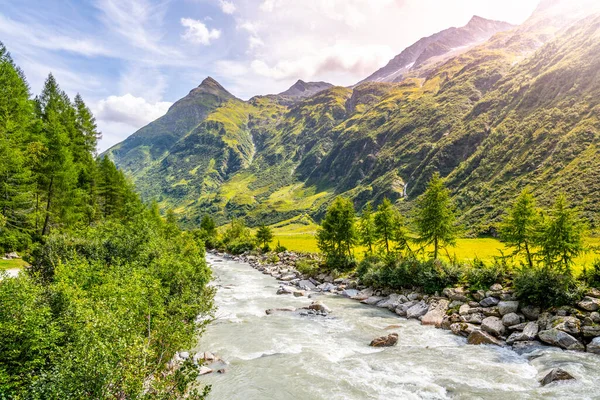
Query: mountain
[(521, 109), (154, 140), (445, 43)]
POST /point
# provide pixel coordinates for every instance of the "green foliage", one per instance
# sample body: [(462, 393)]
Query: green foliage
[(279, 248), (366, 228), (337, 234), (308, 267), (520, 228), (480, 276), (237, 238), (264, 235), (561, 237), (545, 286), (389, 227), (435, 219), (400, 273), (112, 305), (591, 276)]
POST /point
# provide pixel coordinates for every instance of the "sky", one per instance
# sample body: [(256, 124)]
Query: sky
[(132, 59)]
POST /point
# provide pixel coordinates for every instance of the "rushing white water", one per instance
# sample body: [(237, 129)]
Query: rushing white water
[(288, 356)]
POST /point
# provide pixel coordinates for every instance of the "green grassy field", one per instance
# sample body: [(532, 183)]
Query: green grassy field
[(301, 237), (10, 264)]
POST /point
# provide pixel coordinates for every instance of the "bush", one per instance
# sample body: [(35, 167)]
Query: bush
[(431, 276), (279, 248), (545, 287), (307, 267), (240, 245), (480, 276), (340, 263), (591, 276)]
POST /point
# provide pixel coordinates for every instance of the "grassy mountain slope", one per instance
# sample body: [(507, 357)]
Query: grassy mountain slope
[(518, 110)]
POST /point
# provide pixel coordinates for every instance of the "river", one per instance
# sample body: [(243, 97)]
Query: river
[(288, 356)]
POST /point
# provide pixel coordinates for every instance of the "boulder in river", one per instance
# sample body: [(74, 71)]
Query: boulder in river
[(283, 309), (594, 346), (385, 341), (306, 285), (350, 293), (204, 370), (557, 374), (284, 289), (478, 337), (372, 300), (318, 306), (463, 328)]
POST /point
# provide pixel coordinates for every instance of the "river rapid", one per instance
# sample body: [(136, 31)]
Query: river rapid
[(288, 356)]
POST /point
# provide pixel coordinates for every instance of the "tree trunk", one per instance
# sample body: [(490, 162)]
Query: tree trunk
[(48, 204), (435, 248), (529, 260)]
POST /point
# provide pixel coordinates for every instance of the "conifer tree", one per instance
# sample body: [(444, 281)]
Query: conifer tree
[(435, 219), (561, 237), (520, 227), (366, 228), (264, 235), (389, 228), (337, 234)]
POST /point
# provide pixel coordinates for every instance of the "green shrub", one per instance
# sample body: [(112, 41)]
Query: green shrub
[(307, 267), (545, 287), (340, 263), (240, 245), (279, 248), (591, 276), (480, 276), (368, 263)]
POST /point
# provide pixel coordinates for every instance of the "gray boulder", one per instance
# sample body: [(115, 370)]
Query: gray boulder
[(589, 304), (570, 325), (283, 309), (327, 287), (456, 294), (527, 347), (530, 312), (529, 333), (463, 328), (286, 290), (305, 284), (562, 339), (372, 300), (436, 313), (418, 310), (591, 331), (594, 346), (403, 308), (391, 302), (489, 302), (511, 319), (494, 326), (318, 306), (478, 337), (507, 307), (557, 374)]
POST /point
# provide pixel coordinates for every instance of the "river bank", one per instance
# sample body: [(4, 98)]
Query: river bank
[(290, 355), (491, 317)]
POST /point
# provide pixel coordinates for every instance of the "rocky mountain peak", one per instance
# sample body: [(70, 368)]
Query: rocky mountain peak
[(302, 89)]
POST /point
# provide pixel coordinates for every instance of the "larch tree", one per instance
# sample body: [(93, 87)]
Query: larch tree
[(435, 219), (520, 227)]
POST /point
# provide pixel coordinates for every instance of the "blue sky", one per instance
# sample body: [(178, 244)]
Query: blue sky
[(131, 59)]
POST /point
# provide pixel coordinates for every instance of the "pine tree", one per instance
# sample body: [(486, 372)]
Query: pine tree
[(57, 176), (337, 234), (366, 228), (86, 125), (435, 219), (561, 238), (520, 227), (264, 235), (16, 117), (208, 226), (389, 228)]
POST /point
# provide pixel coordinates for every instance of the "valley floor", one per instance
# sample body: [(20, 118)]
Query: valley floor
[(298, 237)]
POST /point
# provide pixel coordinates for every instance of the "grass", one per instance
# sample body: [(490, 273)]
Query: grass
[(301, 237), (11, 264)]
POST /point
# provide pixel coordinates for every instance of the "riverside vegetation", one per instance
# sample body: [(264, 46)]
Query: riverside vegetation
[(529, 294), (113, 290)]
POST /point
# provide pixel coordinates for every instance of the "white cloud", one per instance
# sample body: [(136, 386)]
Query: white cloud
[(227, 6), (130, 110), (341, 57), (197, 32)]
